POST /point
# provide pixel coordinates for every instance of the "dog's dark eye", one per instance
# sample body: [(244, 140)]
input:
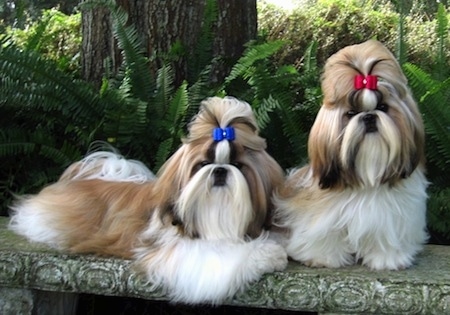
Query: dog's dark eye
[(351, 113), (199, 165), (383, 107), (238, 165)]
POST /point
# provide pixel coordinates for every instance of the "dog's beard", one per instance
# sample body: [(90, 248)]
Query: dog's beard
[(373, 155), (215, 211)]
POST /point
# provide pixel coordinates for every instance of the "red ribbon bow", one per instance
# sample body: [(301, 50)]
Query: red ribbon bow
[(366, 82)]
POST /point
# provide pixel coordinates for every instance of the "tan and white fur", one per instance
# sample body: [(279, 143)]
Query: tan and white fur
[(363, 195), (197, 229)]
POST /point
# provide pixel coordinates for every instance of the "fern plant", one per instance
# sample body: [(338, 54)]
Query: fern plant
[(50, 118), (432, 91), (47, 116), (202, 56), (441, 68), (147, 120), (277, 97), (433, 98)]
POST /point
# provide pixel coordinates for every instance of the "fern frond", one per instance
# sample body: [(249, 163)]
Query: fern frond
[(250, 56), (199, 90), (441, 66), (262, 113), (19, 142), (310, 57), (433, 99), (163, 151), (33, 82), (177, 108), (14, 142), (164, 90), (203, 52), (136, 65), (134, 55), (438, 214)]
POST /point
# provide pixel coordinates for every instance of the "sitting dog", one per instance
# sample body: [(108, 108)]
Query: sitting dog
[(363, 195)]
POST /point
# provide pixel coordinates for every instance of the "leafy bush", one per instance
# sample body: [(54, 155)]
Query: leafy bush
[(285, 99), (335, 24), (49, 118), (55, 35), (47, 115)]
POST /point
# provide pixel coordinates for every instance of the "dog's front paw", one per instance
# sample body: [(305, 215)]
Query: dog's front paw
[(385, 261), (269, 256), (334, 262), (312, 263)]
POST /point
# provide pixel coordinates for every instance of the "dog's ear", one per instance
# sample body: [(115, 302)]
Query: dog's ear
[(329, 176), (412, 146), (170, 178), (263, 177), (324, 146)]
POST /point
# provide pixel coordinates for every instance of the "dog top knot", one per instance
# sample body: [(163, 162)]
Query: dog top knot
[(227, 133), (226, 119), (365, 82), (366, 85)]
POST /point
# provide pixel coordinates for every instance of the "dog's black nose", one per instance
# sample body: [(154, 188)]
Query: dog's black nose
[(370, 121), (220, 176)]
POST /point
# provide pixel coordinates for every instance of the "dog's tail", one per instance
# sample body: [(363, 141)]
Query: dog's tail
[(98, 205), (108, 166)]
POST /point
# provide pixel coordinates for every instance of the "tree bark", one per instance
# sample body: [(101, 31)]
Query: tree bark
[(236, 26), (98, 47), (161, 25)]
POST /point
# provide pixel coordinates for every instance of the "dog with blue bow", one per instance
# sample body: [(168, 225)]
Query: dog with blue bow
[(197, 229)]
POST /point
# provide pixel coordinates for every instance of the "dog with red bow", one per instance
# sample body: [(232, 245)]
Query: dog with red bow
[(363, 195), (197, 229)]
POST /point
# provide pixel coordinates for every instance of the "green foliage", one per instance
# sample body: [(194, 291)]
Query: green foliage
[(438, 214), (335, 24), (19, 13), (47, 116), (148, 117), (432, 91), (332, 24), (275, 95), (434, 98), (203, 55), (441, 67), (55, 35)]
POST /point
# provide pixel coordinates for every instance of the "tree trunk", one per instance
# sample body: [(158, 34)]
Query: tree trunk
[(98, 47), (236, 26), (169, 30)]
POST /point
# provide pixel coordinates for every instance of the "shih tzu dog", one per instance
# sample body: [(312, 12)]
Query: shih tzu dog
[(363, 195), (197, 229)]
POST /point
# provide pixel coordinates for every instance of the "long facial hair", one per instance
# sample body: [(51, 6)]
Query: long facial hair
[(365, 137)]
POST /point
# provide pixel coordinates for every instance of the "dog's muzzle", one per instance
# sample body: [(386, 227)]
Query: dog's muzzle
[(220, 176), (370, 121)]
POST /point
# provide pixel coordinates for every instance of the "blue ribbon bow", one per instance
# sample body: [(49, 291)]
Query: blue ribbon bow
[(220, 134)]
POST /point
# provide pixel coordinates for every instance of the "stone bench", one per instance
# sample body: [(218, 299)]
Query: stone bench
[(34, 278)]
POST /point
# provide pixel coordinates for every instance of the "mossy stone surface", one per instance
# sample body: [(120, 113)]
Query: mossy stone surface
[(421, 289)]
